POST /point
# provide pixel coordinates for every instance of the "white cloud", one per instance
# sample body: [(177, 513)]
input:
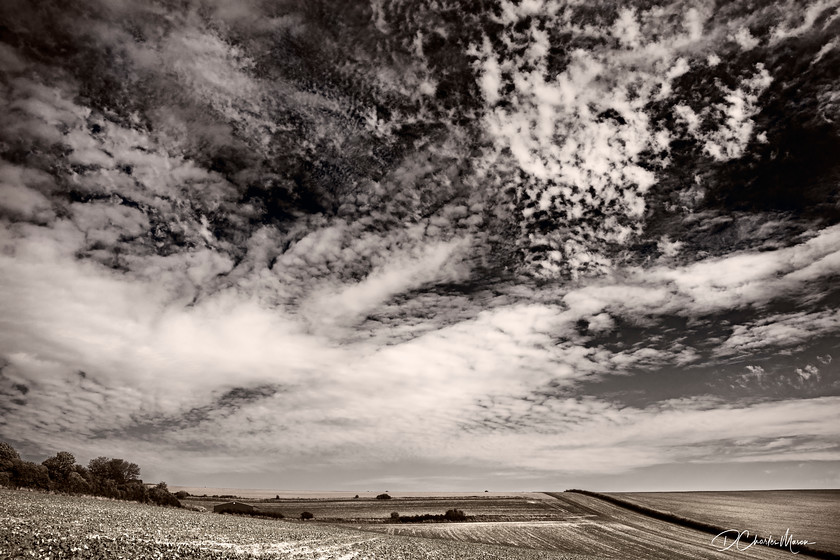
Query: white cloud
[(343, 305), (626, 29), (806, 20), (780, 331), (808, 372), (744, 39), (593, 436)]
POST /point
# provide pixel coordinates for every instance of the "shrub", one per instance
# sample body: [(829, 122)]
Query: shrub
[(160, 495), (306, 515), (455, 515), (383, 497), (395, 516), (181, 494), (450, 515), (77, 484)]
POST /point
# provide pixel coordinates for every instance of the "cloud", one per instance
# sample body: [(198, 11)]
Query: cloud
[(586, 433), (238, 230), (780, 331), (808, 372)]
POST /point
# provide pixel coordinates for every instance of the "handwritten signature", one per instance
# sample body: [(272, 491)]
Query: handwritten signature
[(740, 541)]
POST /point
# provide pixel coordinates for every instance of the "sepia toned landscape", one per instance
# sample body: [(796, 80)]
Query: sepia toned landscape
[(533, 525), (407, 279)]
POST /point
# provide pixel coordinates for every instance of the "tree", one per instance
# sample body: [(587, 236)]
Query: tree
[(60, 467), (27, 474), (306, 515), (118, 470), (99, 468), (76, 483), (8, 455), (383, 497), (161, 496), (122, 471), (395, 516)]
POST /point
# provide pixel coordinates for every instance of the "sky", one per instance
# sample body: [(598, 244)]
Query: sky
[(402, 245)]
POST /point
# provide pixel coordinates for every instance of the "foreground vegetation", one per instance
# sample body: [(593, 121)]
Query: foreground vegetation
[(40, 525)]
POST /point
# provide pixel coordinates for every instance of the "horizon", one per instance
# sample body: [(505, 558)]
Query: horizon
[(411, 245)]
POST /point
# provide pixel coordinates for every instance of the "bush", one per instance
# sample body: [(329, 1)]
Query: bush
[(383, 497), (455, 515), (395, 516), (306, 515), (77, 484), (181, 494), (160, 495)]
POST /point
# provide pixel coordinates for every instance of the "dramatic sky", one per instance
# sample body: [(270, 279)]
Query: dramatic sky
[(449, 245)]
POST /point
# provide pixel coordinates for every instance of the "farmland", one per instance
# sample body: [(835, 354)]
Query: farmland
[(810, 514), (35, 525), (555, 526), (525, 507), (588, 525)]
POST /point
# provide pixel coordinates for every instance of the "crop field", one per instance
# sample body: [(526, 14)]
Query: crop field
[(560, 526), (34, 525), (590, 526), (808, 514), (529, 507)]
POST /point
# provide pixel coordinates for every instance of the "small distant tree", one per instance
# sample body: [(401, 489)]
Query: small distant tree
[(182, 494), (356, 497), (383, 497), (454, 515), (395, 516), (306, 515)]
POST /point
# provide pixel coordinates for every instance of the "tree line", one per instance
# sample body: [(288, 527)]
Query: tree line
[(103, 476)]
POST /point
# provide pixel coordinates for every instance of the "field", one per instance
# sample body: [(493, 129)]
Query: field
[(34, 525), (526, 507), (592, 525), (808, 514)]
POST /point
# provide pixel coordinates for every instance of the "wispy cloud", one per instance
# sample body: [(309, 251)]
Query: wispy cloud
[(241, 230)]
